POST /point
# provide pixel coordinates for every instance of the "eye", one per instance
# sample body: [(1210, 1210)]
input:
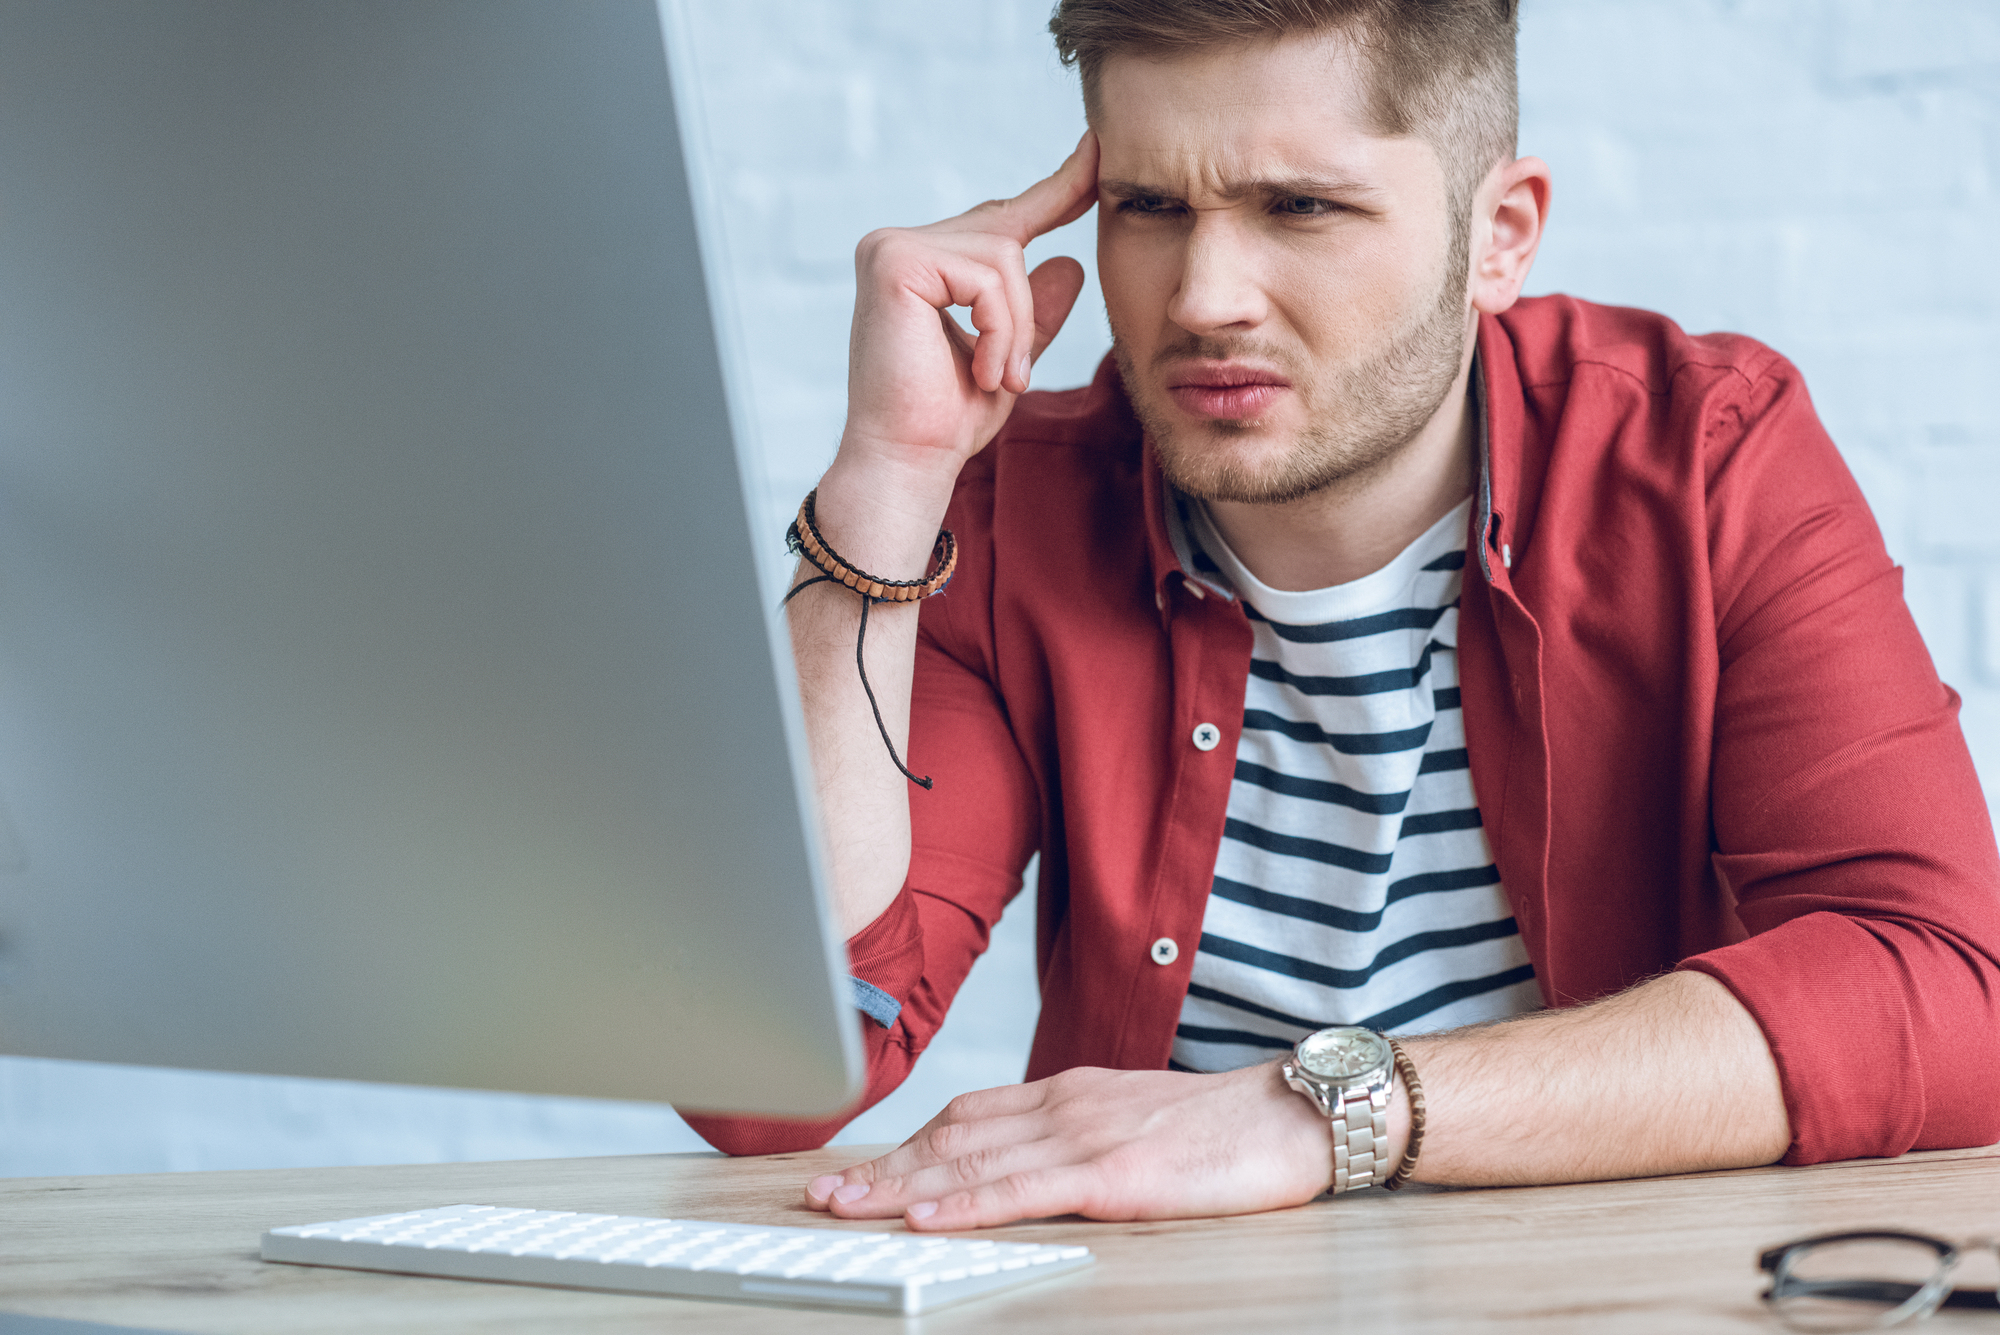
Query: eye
[(1148, 205), (1305, 206)]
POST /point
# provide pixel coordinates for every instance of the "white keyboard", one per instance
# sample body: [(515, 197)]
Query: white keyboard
[(686, 1258)]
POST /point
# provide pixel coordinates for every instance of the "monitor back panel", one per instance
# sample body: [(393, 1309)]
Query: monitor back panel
[(385, 690)]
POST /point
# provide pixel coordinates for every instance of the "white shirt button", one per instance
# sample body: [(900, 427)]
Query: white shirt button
[(1206, 736), (1165, 951)]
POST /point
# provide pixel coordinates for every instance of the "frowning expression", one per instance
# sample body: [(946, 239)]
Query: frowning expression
[(1286, 286)]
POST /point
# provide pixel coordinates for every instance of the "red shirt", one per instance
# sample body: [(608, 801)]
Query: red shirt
[(1703, 731)]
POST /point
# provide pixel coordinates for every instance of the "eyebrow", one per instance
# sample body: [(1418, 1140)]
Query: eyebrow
[(1293, 187)]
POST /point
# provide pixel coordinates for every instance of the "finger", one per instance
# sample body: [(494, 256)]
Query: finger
[(1000, 318), (1016, 366), (991, 1109), (964, 1127), (948, 1158), (1032, 1194), (963, 1173), (982, 283), (1051, 202), (1021, 309), (1055, 285)]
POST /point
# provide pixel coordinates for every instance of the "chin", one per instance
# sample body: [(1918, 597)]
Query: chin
[(1219, 464)]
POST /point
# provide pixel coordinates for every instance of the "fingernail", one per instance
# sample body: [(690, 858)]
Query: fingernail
[(1024, 368), (851, 1193), (923, 1209), (822, 1187)]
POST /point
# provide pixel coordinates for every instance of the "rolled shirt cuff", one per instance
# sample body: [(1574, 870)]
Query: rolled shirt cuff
[(874, 1003)]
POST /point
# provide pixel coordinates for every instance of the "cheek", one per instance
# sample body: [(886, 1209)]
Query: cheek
[(1138, 275), (1353, 296)]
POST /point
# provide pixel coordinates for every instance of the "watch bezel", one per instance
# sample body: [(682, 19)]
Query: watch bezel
[(1381, 1057)]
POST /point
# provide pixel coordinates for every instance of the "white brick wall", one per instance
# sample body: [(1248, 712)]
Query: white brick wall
[(1819, 174)]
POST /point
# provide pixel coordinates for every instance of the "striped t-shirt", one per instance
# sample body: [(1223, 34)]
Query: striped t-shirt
[(1354, 884)]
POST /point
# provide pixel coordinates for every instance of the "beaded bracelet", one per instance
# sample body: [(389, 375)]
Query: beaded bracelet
[(1407, 1069), (803, 539)]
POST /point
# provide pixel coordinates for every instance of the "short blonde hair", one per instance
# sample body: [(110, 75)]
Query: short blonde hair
[(1443, 69)]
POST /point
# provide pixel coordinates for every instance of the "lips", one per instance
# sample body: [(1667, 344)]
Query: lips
[(1226, 392)]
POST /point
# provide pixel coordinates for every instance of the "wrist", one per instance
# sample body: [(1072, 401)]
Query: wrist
[(883, 514), (1363, 1091)]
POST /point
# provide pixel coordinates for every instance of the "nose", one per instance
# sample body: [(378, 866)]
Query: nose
[(1220, 288)]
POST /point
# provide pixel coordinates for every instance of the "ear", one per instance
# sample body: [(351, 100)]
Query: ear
[(1508, 215)]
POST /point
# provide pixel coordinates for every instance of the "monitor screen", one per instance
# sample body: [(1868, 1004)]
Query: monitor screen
[(385, 688)]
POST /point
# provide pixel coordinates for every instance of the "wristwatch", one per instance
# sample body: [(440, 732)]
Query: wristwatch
[(1347, 1072)]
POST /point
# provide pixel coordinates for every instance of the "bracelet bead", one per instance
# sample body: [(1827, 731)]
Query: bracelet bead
[(1407, 1070), (804, 539)]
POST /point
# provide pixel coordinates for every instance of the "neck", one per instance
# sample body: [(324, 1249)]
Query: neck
[(1360, 524)]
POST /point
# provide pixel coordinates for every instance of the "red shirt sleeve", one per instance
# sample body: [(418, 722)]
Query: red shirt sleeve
[(1849, 825)]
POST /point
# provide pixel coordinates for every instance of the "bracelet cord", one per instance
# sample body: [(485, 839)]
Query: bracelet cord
[(803, 539)]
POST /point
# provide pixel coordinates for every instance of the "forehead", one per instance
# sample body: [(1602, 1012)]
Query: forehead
[(1222, 118)]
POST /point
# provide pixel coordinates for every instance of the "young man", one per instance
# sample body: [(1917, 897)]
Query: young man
[(1368, 647)]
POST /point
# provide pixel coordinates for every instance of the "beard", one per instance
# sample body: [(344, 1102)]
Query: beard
[(1359, 416)]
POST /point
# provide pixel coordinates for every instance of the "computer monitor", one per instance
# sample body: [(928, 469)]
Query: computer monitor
[(386, 691)]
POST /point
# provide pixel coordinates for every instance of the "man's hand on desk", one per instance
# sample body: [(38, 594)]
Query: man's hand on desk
[(1099, 1143), (1670, 1076)]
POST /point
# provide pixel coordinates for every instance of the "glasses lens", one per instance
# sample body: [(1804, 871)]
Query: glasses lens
[(1862, 1284)]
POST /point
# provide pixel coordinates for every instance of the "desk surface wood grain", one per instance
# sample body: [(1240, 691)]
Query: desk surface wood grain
[(179, 1251)]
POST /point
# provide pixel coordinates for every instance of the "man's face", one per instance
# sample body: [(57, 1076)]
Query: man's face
[(1286, 288)]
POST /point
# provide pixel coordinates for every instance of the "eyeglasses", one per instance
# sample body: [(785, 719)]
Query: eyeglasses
[(1868, 1281)]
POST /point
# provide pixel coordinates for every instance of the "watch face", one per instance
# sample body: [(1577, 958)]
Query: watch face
[(1343, 1054)]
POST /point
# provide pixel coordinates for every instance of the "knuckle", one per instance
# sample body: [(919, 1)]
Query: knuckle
[(1016, 1189), (1069, 1084), (878, 245), (972, 1168), (1006, 257), (948, 1140)]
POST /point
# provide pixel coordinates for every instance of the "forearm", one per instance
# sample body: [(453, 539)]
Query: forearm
[(1670, 1076), (883, 519)]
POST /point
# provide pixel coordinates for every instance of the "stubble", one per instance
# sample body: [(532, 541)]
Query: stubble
[(1360, 416)]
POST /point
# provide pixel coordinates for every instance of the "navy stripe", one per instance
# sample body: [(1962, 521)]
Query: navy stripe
[(1400, 1014), (1173, 1065), (1347, 743), (1449, 561), (1351, 920), (1438, 822), (1368, 683), (1243, 1036), (1395, 953), (1401, 618), (1447, 698), (1437, 997), (1437, 762), (1459, 878), (1317, 790), (1251, 1008), (1298, 846)]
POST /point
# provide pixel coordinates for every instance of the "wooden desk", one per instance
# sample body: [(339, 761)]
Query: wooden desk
[(179, 1251)]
